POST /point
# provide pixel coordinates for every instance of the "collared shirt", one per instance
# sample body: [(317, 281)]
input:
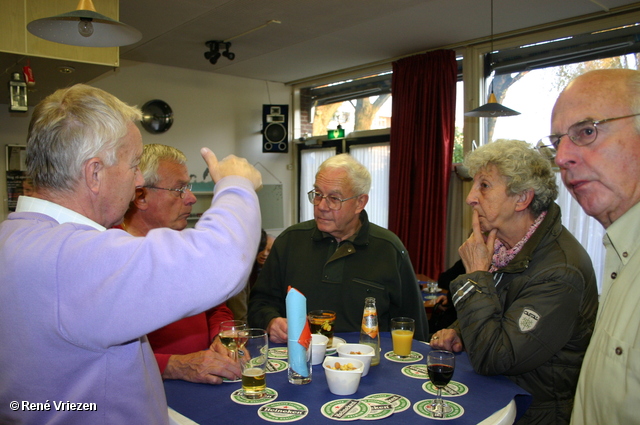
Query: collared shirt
[(57, 212), (84, 301), (609, 385)]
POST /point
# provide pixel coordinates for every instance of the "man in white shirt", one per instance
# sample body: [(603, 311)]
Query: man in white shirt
[(596, 143), (76, 300)]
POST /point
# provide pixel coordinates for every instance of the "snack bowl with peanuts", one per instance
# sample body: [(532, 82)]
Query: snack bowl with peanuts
[(343, 375), (361, 352)]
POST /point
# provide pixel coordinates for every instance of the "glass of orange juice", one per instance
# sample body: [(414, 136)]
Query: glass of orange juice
[(402, 329)]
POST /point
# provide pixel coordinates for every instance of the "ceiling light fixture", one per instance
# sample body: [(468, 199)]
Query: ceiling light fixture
[(492, 108), (214, 51), (84, 27), (214, 45)]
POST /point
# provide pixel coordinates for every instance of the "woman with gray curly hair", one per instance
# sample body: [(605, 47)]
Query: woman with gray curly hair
[(528, 300)]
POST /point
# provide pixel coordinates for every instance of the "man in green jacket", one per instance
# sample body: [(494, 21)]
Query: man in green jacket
[(337, 260)]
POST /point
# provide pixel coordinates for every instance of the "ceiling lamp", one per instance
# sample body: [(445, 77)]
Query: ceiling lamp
[(214, 51), (214, 45), (492, 108), (84, 27)]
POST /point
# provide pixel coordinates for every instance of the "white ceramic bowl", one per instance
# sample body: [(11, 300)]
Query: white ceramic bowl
[(342, 382), (367, 353), (318, 348)]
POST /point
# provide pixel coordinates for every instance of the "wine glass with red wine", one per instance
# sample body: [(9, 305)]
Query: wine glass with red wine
[(440, 366)]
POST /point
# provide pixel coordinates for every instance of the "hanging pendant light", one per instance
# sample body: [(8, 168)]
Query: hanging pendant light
[(492, 108), (84, 27)]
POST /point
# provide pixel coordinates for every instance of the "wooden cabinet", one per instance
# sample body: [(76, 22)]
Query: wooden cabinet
[(270, 198), (17, 46), (14, 37), (201, 205)]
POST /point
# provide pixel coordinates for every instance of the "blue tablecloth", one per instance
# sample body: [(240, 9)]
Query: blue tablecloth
[(211, 404)]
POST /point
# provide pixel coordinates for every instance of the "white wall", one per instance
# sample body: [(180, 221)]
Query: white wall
[(221, 112)]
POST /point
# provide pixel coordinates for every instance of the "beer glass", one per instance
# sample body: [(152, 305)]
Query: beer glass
[(253, 344)]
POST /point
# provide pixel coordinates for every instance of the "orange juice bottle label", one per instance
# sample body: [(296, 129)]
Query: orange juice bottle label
[(370, 323)]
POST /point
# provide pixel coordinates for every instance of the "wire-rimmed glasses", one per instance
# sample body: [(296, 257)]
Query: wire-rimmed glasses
[(582, 133), (181, 190), (333, 202)]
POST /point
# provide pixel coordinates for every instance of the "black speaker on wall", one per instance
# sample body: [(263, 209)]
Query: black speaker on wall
[(275, 128)]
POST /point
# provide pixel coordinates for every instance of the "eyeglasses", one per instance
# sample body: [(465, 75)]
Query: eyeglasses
[(582, 133), (182, 191), (333, 202)]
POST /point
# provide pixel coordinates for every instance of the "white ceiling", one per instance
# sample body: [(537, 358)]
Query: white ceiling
[(313, 38), (323, 36)]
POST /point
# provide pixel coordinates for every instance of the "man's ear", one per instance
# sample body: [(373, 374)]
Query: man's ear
[(362, 202), (140, 201), (94, 174), (524, 200)]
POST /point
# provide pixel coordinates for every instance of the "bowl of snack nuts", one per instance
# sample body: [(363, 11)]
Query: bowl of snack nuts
[(361, 352), (343, 375)]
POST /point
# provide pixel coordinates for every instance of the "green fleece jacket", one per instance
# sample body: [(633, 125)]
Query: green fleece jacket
[(533, 319), (339, 277)]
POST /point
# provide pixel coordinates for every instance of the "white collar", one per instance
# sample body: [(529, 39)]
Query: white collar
[(55, 211)]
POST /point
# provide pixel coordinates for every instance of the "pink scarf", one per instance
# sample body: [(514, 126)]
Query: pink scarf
[(502, 256)]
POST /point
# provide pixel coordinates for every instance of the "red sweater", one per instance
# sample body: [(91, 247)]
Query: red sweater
[(188, 335)]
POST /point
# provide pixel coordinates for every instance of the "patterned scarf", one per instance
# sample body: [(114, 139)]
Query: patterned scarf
[(502, 256)]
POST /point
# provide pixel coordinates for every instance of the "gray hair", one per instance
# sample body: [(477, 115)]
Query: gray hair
[(71, 126), (152, 155), (357, 173), (523, 167)]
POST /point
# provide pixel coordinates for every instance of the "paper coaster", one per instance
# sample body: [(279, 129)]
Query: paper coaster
[(418, 371), (276, 365), (345, 410), (399, 403), (378, 409), (421, 409), (239, 398), (231, 381), (283, 411), (453, 389), (412, 358), (278, 353)]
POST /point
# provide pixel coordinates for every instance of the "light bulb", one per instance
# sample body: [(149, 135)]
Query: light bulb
[(85, 27)]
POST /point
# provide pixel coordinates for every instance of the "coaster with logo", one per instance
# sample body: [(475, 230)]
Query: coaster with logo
[(345, 410), (270, 395), (453, 389), (283, 411), (227, 381), (421, 409), (411, 358), (378, 409), (276, 365), (278, 353), (399, 403), (417, 371)]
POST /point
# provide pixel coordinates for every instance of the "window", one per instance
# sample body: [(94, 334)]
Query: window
[(529, 80), (356, 104), (361, 107)]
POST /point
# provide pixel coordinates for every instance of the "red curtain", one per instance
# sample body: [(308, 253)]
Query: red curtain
[(422, 134)]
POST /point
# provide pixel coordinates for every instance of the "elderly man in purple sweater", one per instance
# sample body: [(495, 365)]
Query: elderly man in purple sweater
[(76, 300)]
